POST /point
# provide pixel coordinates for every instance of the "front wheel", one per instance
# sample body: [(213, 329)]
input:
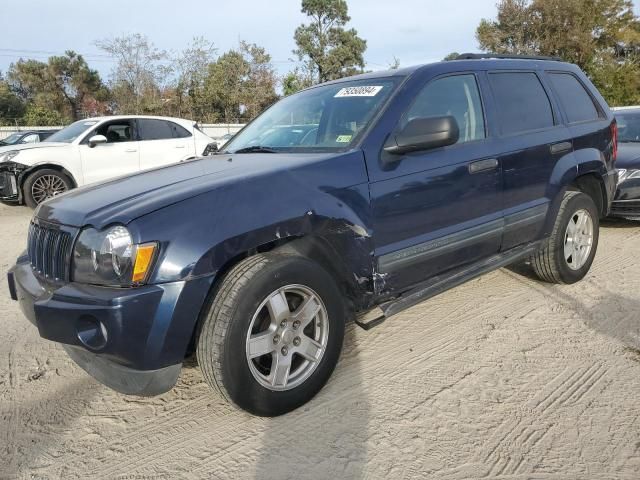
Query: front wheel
[(44, 184), (569, 252), (273, 333)]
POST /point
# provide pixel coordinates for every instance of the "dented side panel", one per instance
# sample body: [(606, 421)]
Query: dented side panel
[(203, 235)]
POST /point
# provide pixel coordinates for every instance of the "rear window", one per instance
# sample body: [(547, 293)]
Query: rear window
[(521, 101), (575, 100)]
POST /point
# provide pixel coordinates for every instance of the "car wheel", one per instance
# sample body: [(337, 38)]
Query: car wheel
[(568, 254), (44, 184), (273, 333)]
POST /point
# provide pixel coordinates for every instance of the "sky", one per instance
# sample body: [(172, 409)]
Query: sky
[(414, 31)]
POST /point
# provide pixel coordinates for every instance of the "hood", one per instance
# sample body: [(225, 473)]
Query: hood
[(124, 199), (628, 155), (29, 146)]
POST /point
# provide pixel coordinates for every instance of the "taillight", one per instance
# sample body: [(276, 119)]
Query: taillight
[(614, 141)]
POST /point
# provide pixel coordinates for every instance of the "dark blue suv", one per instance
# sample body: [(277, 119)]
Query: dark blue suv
[(350, 200)]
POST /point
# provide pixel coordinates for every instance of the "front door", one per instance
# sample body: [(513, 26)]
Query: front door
[(438, 209), (117, 157)]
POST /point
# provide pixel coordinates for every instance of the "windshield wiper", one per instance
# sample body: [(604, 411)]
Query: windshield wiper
[(256, 149)]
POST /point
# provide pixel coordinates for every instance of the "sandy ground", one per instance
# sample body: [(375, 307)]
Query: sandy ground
[(504, 377)]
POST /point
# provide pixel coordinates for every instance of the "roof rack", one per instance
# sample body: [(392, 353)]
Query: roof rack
[(478, 56)]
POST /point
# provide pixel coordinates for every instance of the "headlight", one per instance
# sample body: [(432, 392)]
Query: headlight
[(624, 174), (5, 157), (110, 257)]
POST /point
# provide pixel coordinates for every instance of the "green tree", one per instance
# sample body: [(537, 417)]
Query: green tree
[(601, 36), (297, 79), (191, 67), (451, 56), (332, 51), (259, 86), (63, 84), (11, 106), (241, 83), (37, 115)]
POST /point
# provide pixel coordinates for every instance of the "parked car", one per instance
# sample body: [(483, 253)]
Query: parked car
[(626, 203), (416, 180), (27, 136), (94, 150)]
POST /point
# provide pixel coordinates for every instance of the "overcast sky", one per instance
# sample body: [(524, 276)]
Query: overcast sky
[(415, 31)]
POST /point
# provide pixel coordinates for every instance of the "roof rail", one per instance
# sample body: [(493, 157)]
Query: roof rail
[(479, 56)]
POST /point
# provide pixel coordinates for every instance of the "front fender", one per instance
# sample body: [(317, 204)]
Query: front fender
[(202, 235)]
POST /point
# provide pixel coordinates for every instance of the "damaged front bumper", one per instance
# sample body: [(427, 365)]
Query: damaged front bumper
[(626, 203), (10, 177)]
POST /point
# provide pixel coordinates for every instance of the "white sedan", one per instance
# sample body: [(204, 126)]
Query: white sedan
[(94, 150)]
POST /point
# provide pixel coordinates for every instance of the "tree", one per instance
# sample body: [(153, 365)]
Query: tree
[(140, 74), (260, 84), (37, 115), (332, 51), (297, 79), (451, 56), (63, 84), (11, 106), (191, 67), (601, 36), (241, 83)]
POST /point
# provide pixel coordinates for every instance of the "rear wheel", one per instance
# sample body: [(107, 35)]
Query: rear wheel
[(569, 252), (273, 333), (44, 184)]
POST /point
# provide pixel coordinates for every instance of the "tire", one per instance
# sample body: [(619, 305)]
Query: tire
[(552, 264), (241, 314), (58, 183)]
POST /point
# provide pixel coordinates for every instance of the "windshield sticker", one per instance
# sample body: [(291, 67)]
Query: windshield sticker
[(344, 138), (370, 91), (89, 124)]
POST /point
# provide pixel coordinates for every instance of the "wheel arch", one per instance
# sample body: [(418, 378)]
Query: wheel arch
[(41, 166), (593, 185), (313, 247)]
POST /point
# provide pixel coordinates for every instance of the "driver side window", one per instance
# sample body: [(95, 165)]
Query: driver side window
[(116, 132), (457, 96)]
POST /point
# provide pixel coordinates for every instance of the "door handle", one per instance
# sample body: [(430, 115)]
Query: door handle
[(561, 147), (179, 146), (483, 165), (131, 150)]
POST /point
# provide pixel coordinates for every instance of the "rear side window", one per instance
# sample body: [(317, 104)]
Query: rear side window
[(577, 103), (151, 129), (178, 131), (457, 96), (521, 101)]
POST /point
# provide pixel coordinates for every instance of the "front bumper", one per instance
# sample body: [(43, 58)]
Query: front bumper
[(9, 191), (626, 203), (131, 339)]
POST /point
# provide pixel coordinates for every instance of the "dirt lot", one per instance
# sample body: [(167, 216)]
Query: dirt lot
[(504, 377)]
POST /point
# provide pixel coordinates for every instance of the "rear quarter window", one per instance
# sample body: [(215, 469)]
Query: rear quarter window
[(575, 100), (522, 103)]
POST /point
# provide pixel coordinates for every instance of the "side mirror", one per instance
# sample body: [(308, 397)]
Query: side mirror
[(424, 134), (97, 140)]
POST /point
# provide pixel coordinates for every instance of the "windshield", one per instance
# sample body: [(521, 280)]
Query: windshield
[(73, 131), (12, 139), (324, 118), (628, 127)]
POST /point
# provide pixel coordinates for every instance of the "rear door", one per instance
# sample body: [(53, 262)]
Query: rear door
[(163, 142), (119, 156), (434, 210), (533, 139)]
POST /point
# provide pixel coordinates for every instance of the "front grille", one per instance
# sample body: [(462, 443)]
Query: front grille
[(49, 251), (626, 208)]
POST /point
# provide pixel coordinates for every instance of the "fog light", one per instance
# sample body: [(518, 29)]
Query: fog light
[(91, 332)]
